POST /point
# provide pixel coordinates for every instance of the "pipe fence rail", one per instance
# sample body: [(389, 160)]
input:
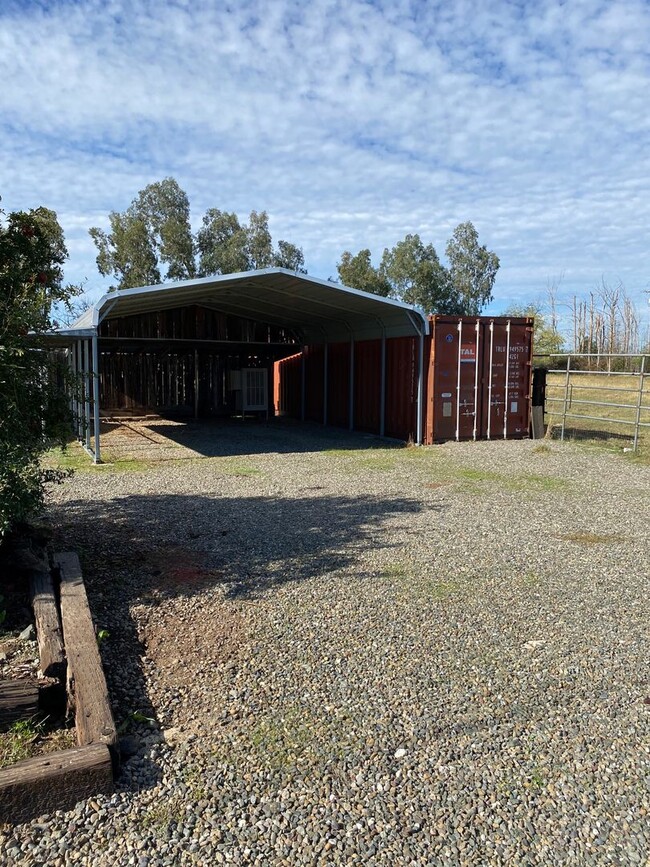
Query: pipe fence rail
[(633, 412)]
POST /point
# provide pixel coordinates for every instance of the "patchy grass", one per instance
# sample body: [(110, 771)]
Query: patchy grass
[(237, 469), (439, 589), (587, 538), (394, 572), (19, 742), (74, 458), (603, 389), (28, 738), (418, 586), (481, 476), (529, 483), (539, 483), (161, 815)]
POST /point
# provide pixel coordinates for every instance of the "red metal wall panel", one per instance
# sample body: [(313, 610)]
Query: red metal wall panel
[(314, 382), (401, 387), (367, 385), (287, 386), (338, 384)]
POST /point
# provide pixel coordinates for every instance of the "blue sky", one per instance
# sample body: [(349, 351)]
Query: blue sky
[(352, 123)]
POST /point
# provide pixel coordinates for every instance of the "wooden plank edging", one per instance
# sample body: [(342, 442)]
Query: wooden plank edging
[(93, 716), (18, 701), (55, 781), (48, 624)]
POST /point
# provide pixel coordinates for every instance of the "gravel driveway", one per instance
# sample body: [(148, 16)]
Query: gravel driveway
[(353, 654)]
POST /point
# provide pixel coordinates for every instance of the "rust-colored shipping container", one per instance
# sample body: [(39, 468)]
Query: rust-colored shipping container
[(476, 381), (479, 378)]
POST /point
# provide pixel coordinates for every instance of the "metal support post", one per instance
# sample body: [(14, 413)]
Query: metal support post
[(96, 422), (566, 395), (196, 385), (506, 396), (489, 418), (382, 395), (87, 394), (460, 343), (303, 385), (81, 384), (639, 403), (418, 434), (476, 366), (325, 366), (351, 394)]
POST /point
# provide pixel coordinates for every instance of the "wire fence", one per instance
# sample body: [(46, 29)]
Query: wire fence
[(604, 396)]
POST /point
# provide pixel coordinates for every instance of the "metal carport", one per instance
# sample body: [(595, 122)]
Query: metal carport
[(317, 311)]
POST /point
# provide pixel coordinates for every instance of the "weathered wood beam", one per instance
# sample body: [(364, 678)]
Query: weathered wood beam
[(48, 625), (55, 781), (93, 716), (18, 700)]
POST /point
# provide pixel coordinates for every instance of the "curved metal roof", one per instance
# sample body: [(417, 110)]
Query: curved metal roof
[(318, 310)]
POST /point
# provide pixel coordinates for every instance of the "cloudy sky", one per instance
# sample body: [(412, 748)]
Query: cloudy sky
[(352, 123)]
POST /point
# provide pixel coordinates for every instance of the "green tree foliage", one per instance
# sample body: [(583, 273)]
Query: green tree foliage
[(472, 268), (221, 244), (359, 273), (155, 232), (290, 257), (417, 276), (259, 244), (546, 339), (226, 246), (412, 272), (33, 410), (165, 210)]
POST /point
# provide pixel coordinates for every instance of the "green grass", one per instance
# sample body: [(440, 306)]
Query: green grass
[(603, 389), (481, 476), (538, 483), (530, 482), (236, 469), (159, 816), (418, 586), (588, 538), (74, 458), (19, 742)]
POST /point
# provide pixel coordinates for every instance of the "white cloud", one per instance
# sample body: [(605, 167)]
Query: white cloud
[(351, 123)]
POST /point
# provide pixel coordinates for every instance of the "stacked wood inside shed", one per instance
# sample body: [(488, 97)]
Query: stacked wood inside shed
[(72, 674)]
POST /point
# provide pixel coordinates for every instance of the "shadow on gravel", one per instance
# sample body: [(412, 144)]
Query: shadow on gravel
[(176, 545), (232, 437)]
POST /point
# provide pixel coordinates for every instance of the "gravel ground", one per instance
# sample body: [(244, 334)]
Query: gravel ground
[(360, 655)]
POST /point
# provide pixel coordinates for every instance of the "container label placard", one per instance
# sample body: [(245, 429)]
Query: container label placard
[(468, 353)]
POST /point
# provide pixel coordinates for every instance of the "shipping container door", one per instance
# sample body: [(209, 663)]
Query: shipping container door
[(454, 395), (507, 348)]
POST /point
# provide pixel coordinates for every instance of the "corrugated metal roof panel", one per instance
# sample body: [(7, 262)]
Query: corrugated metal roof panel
[(319, 310)]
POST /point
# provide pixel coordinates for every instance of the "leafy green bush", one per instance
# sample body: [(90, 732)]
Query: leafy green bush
[(34, 412)]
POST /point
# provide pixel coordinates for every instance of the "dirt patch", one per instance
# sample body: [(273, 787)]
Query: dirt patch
[(176, 567)]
